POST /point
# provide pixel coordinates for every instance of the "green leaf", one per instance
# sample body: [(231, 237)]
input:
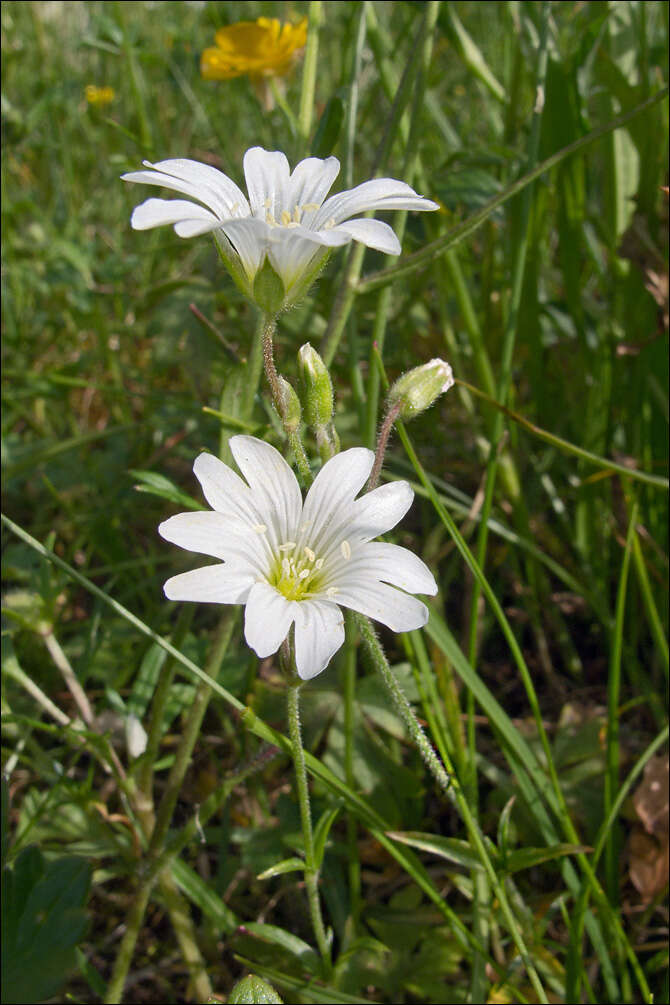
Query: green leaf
[(329, 127), (146, 680), (252, 990), (452, 849), (285, 940), (200, 894), (525, 858), (288, 865), (472, 54), (159, 485), (42, 922), (321, 832), (4, 821)]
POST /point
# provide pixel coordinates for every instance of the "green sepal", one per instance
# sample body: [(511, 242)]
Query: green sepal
[(268, 290)]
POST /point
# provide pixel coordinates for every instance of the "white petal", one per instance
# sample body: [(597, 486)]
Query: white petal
[(267, 619), (374, 234), (319, 633), (311, 181), (267, 177), (250, 238), (213, 584), (158, 212), (294, 256), (194, 228), (292, 250), (204, 176), (390, 564), (201, 181), (398, 611), (380, 193), (273, 485), (380, 510), (219, 536), (223, 489), (331, 495)]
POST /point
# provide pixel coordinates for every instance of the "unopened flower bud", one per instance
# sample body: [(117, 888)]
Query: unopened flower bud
[(417, 389), (268, 291), (291, 413), (316, 389), (136, 737)]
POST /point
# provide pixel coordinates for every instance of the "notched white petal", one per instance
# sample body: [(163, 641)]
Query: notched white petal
[(213, 584), (392, 564), (378, 511), (319, 633), (397, 610), (373, 233), (158, 212), (267, 619)]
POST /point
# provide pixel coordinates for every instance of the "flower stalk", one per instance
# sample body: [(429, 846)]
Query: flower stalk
[(278, 398), (311, 870), (309, 69)]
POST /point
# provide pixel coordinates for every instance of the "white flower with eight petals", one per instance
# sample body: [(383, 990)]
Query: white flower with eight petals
[(285, 218), (295, 564)]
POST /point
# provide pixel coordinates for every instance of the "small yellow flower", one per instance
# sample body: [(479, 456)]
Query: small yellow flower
[(262, 48), (99, 95)]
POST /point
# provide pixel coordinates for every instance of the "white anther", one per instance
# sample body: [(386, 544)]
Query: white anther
[(296, 214), (289, 546), (286, 568), (331, 591), (304, 574), (260, 528), (310, 554), (329, 224), (318, 564), (285, 218), (310, 207), (269, 218), (345, 548)]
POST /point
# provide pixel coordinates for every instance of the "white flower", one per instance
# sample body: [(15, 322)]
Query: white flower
[(294, 563), (285, 218)]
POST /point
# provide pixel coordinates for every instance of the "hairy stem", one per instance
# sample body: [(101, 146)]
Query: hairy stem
[(311, 870), (269, 329)]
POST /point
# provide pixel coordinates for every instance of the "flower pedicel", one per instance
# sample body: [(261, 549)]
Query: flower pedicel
[(295, 563), (285, 222)]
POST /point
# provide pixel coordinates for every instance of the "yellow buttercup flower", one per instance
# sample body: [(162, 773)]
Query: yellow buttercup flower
[(99, 95), (262, 48)]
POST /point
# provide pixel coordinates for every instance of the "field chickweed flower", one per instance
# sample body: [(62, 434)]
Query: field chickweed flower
[(261, 48), (297, 563), (285, 221)]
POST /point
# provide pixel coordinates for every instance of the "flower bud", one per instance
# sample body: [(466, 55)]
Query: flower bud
[(136, 736), (416, 390), (316, 389), (268, 291), (291, 413)]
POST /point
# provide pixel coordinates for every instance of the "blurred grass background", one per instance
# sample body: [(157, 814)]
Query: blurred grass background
[(107, 369)]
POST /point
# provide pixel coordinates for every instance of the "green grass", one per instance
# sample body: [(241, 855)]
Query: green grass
[(541, 506)]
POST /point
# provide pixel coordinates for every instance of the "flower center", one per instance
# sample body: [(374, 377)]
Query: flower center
[(289, 218), (296, 572)]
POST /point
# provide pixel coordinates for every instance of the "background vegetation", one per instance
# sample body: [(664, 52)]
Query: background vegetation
[(543, 683)]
